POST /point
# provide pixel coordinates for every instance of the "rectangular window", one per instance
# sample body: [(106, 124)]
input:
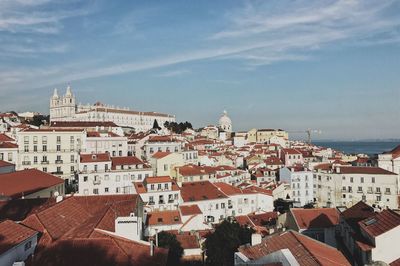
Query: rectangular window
[(373, 179), (26, 148), (28, 245), (58, 139), (106, 190), (85, 179), (58, 147), (351, 179), (35, 148), (35, 159), (95, 191), (44, 148), (362, 179)]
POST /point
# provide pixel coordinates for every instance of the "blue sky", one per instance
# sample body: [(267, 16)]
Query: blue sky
[(328, 65)]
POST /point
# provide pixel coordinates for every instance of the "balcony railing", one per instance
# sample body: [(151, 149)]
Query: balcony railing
[(59, 161), (151, 203), (96, 182), (170, 201), (57, 173), (387, 193), (26, 163), (44, 162)]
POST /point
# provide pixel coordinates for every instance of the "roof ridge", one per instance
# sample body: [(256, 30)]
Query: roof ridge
[(188, 220)]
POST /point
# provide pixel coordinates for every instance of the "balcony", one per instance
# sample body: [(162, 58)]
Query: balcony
[(59, 161), (44, 162), (161, 202), (96, 182), (369, 191), (387, 193), (230, 206), (57, 173), (151, 203), (359, 191), (26, 163), (378, 192), (170, 201)]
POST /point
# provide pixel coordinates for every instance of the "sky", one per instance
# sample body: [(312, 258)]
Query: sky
[(333, 66)]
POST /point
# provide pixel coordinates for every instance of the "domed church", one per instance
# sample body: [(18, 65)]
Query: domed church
[(225, 123)]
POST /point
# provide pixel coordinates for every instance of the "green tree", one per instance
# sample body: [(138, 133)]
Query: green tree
[(155, 125), (175, 250), (224, 242)]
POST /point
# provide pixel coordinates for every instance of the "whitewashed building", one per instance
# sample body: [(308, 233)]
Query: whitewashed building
[(64, 108), (55, 151), (100, 174), (301, 182)]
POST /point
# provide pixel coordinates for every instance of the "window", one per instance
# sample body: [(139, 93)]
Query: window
[(378, 198), (106, 177), (28, 245), (35, 139), (159, 186), (106, 189), (387, 190), (35, 159), (362, 179), (35, 148), (26, 140), (72, 158), (44, 169), (26, 148), (59, 170), (44, 148), (351, 179), (95, 191), (58, 147), (85, 179), (343, 178), (378, 190), (166, 185), (165, 167), (152, 187), (373, 179), (72, 169), (58, 139), (359, 189), (222, 205), (139, 177), (44, 140)]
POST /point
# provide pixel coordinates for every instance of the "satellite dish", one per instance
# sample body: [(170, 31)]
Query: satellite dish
[(56, 194)]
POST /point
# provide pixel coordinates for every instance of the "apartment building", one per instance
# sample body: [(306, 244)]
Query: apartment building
[(55, 151), (161, 143), (301, 182), (101, 174), (336, 185), (158, 193), (100, 142)]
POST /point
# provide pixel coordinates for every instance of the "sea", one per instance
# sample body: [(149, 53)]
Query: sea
[(357, 147)]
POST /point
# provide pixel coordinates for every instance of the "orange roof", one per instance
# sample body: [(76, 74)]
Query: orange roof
[(158, 179), (79, 216), (364, 170), (380, 223), (8, 145), (95, 158), (190, 209), (307, 251), (291, 151), (228, 189), (25, 182), (5, 138), (164, 218), (193, 170), (161, 154), (203, 190), (13, 234), (4, 163), (126, 160), (188, 241), (316, 218), (254, 189)]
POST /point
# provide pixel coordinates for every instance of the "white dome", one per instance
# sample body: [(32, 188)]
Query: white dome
[(225, 123)]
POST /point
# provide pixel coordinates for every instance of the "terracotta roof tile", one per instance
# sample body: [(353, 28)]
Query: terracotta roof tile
[(160, 154), (190, 209), (95, 158), (11, 234), (164, 218), (25, 182), (188, 241), (203, 190), (5, 138), (315, 218), (306, 251), (380, 223)]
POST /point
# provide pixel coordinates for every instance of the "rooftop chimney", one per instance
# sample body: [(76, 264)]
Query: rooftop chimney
[(151, 248), (255, 239)]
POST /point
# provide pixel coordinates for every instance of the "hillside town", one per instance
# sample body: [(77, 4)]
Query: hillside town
[(112, 185)]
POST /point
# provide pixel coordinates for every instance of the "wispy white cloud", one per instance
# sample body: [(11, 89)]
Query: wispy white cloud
[(255, 35), (174, 73)]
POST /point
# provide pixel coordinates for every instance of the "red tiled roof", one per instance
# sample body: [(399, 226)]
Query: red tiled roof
[(126, 160), (158, 179), (4, 163), (19, 209), (254, 189), (190, 209), (164, 218), (291, 151), (261, 218), (307, 251), (95, 158), (194, 170), (315, 218), (364, 170), (25, 182), (78, 216), (244, 220), (100, 249), (161, 139), (380, 223), (12, 234), (228, 189), (8, 145), (161, 154), (203, 190), (5, 138), (188, 241)]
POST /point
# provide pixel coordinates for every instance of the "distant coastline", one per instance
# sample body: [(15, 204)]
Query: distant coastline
[(370, 147)]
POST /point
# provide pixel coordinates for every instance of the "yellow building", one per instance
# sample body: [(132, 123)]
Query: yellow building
[(264, 135)]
